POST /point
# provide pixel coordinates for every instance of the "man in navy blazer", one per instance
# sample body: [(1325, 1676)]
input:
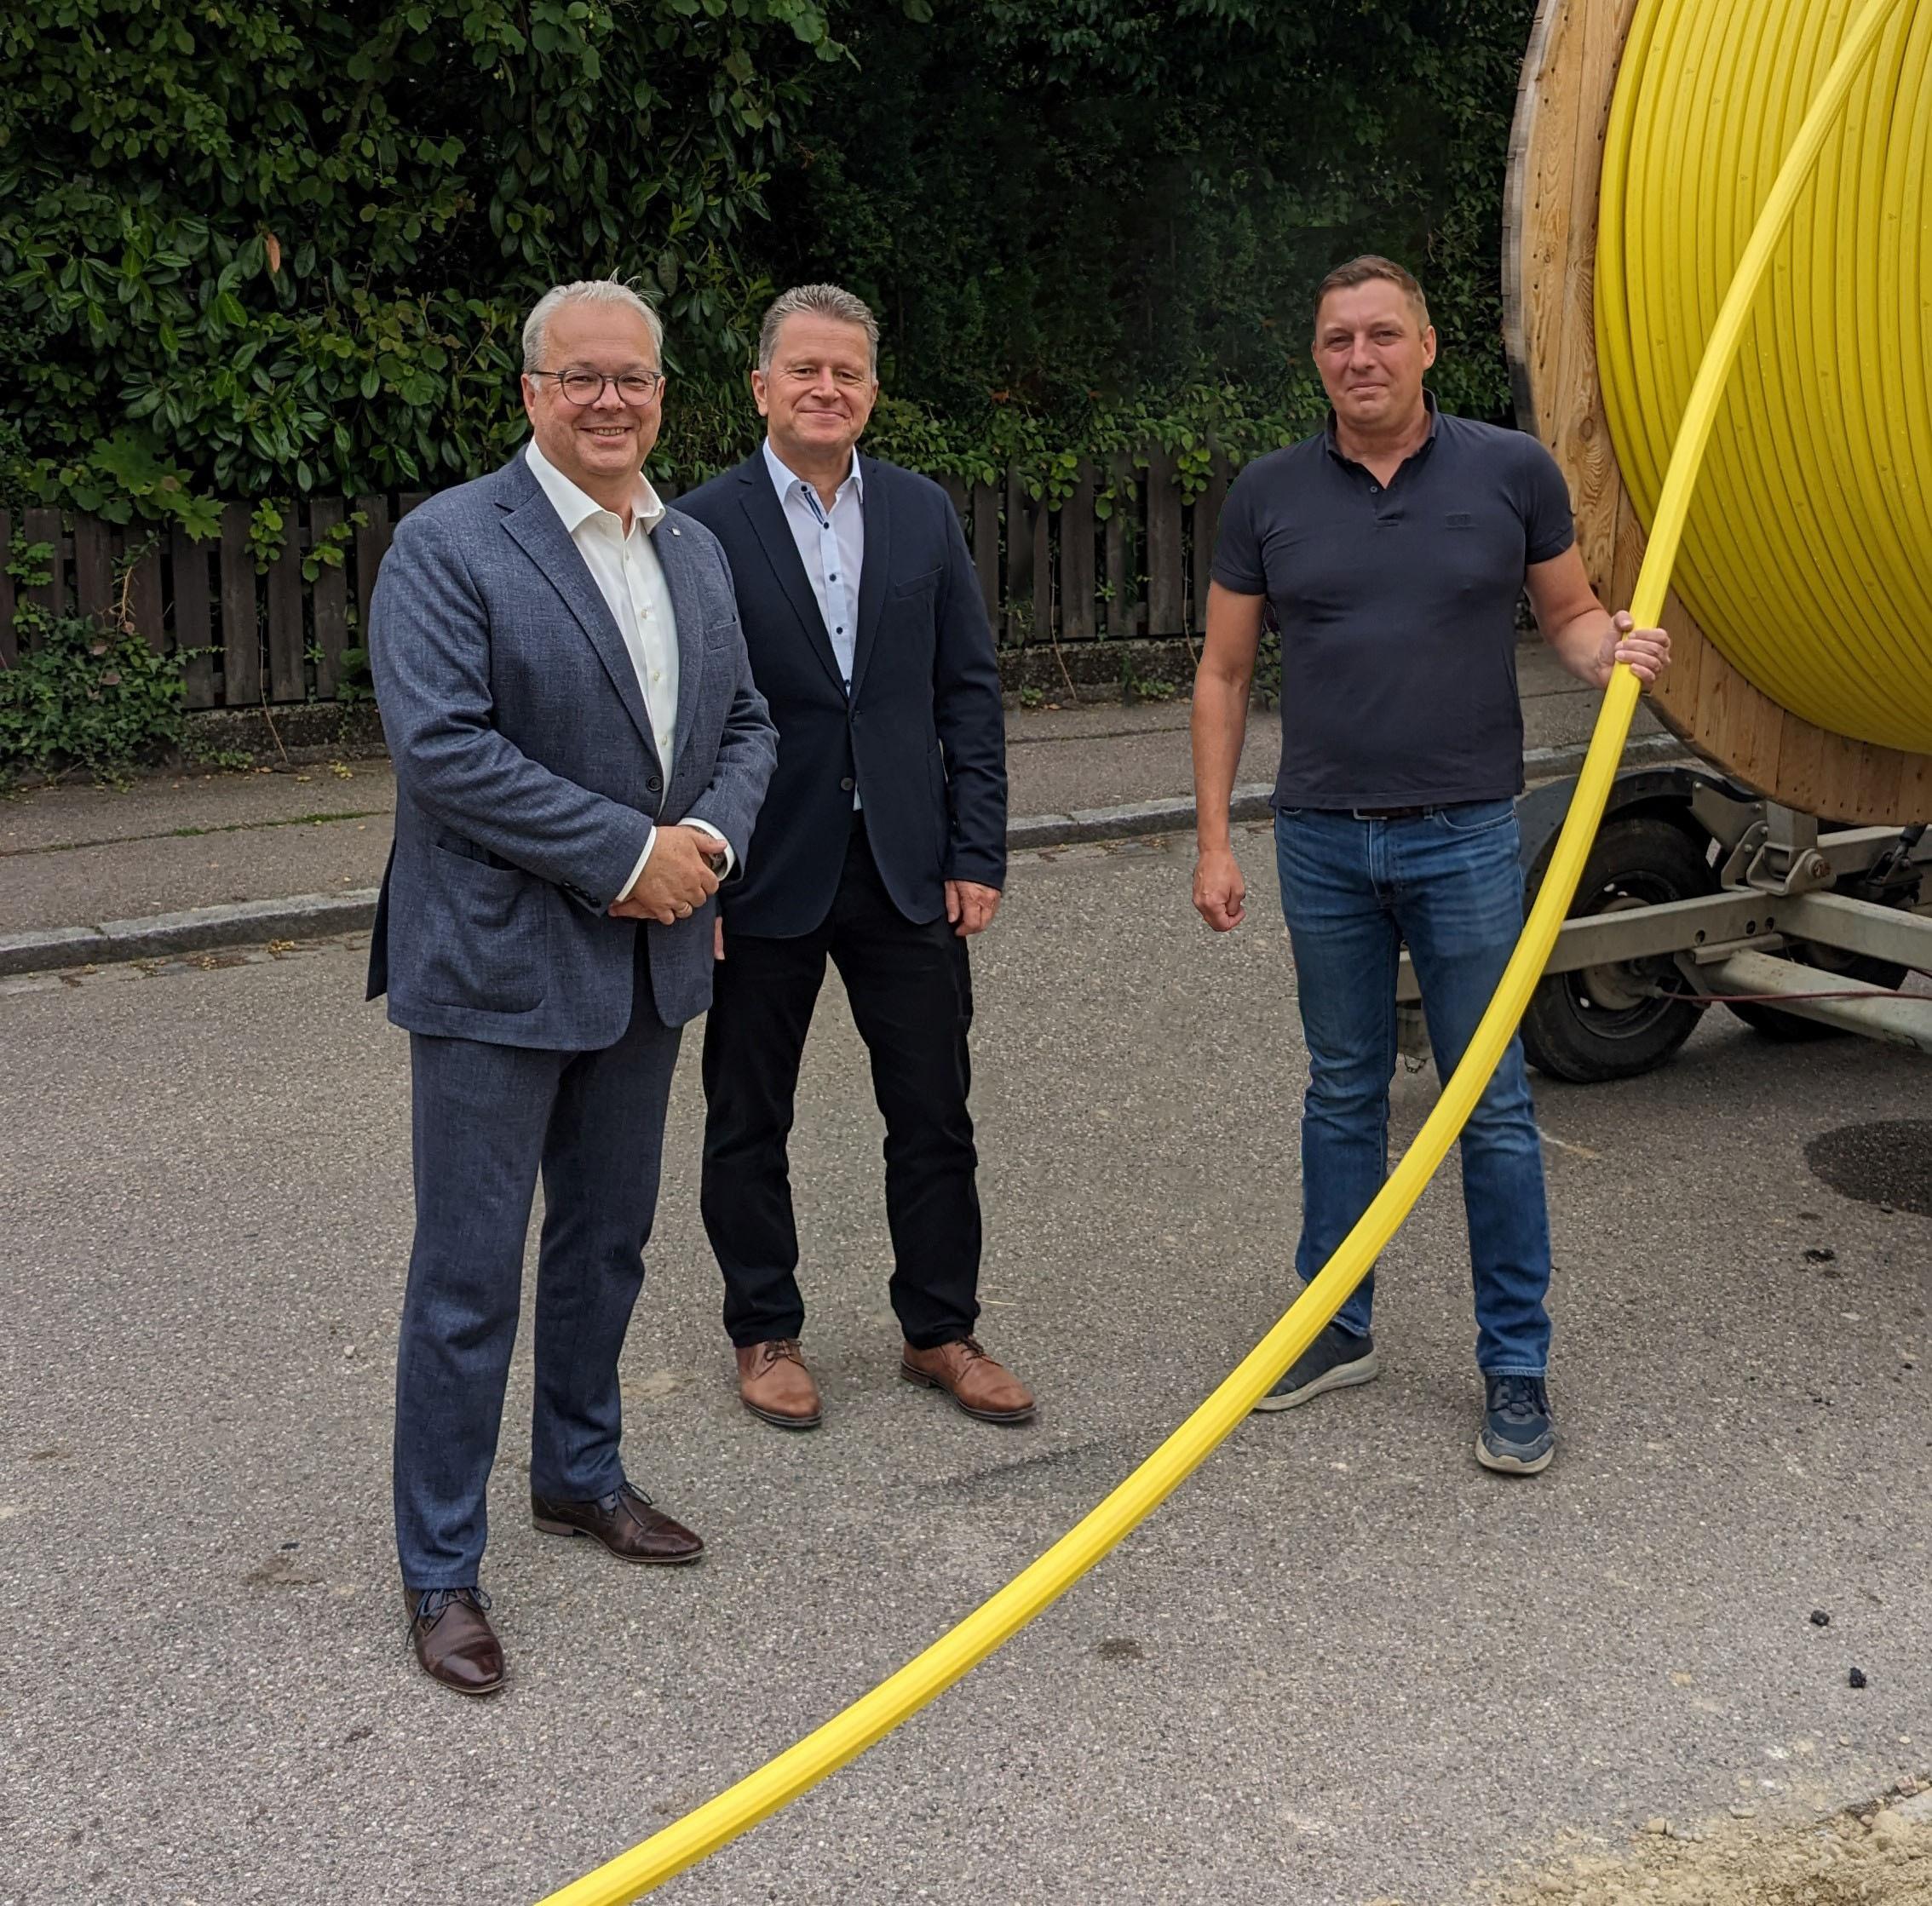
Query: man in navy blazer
[(881, 847), (580, 755)]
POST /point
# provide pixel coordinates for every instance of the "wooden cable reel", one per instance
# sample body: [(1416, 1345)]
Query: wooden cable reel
[(1548, 277)]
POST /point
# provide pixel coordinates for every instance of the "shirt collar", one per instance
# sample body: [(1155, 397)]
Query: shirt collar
[(1334, 444), (576, 508), (786, 481)]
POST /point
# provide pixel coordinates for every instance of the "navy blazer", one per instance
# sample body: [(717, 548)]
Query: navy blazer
[(922, 734), (527, 780)]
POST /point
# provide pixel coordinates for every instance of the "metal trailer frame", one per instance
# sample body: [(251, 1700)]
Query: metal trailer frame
[(1790, 897)]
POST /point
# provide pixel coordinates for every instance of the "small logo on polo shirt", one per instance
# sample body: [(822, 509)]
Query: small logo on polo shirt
[(1458, 520)]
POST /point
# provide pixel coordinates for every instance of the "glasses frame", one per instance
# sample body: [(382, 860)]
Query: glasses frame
[(604, 382)]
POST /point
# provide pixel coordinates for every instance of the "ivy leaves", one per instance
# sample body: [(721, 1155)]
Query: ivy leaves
[(281, 245), (265, 248)]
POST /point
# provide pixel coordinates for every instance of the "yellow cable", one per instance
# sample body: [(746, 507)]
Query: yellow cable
[(1807, 558), (848, 1734)]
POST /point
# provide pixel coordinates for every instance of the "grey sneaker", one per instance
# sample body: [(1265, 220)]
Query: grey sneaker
[(1519, 1434), (1336, 1359)]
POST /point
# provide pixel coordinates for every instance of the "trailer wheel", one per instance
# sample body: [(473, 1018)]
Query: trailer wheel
[(1608, 1022), (1830, 963)]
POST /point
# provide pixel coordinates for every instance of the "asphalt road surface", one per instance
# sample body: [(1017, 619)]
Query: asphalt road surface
[(1344, 1664)]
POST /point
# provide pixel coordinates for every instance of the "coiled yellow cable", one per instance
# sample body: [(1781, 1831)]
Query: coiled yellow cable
[(848, 1734), (1807, 560)]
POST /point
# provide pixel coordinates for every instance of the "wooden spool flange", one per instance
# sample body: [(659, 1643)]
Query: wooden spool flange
[(1549, 329)]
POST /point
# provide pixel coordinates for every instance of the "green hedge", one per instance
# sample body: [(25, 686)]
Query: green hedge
[(260, 248)]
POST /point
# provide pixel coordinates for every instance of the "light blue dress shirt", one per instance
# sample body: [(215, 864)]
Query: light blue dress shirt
[(832, 545)]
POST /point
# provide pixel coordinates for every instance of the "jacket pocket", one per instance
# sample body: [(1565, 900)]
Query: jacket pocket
[(466, 849), (483, 935)]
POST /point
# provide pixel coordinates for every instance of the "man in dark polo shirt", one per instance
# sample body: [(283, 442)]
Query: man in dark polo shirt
[(1393, 548)]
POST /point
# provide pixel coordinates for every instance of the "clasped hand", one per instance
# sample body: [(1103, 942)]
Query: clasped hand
[(677, 879)]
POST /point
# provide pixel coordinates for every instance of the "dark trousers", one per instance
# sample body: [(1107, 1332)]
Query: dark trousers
[(911, 996), (486, 1120)]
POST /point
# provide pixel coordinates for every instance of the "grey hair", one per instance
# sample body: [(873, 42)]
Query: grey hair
[(818, 301), (585, 290)]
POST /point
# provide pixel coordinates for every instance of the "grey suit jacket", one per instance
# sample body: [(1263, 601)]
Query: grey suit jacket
[(528, 781)]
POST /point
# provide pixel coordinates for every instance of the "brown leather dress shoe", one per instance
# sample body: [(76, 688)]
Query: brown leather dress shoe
[(972, 1379), (624, 1522), (774, 1384), (453, 1639)]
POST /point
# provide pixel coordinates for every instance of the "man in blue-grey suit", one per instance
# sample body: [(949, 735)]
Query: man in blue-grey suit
[(580, 756)]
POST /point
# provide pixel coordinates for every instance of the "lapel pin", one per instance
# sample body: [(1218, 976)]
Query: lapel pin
[(674, 531)]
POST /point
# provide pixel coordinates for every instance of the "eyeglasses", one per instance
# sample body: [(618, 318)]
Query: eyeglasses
[(585, 388)]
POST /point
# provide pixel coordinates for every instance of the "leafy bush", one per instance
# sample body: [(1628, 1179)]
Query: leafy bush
[(286, 245), (86, 696), (265, 248), (1074, 202)]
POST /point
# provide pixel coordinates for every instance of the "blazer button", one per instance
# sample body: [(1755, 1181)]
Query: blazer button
[(848, 785), (653, 785)]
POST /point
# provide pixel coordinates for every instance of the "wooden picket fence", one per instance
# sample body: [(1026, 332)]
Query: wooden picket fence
[(1066, 575), (250, 638)]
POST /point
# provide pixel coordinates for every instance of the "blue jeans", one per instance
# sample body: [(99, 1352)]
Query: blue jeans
[(1449, 884)]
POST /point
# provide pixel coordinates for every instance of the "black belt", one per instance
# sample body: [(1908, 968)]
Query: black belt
[(1388, 813)]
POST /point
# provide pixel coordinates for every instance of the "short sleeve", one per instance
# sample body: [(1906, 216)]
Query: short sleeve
[(1237, 549), (1548, 528)]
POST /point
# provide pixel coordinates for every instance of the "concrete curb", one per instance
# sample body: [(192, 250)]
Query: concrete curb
[(1551, 763), (1251, 800), (166, 935), (308, 915), (1170, 816)]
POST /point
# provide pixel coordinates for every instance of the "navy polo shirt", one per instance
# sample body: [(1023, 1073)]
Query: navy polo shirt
[(1398, 609)]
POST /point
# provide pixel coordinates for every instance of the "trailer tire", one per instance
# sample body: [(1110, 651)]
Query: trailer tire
[(1604, 1023)]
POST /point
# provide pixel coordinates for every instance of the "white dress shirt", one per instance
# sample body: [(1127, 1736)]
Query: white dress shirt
[(832, 545), (625, 569)]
